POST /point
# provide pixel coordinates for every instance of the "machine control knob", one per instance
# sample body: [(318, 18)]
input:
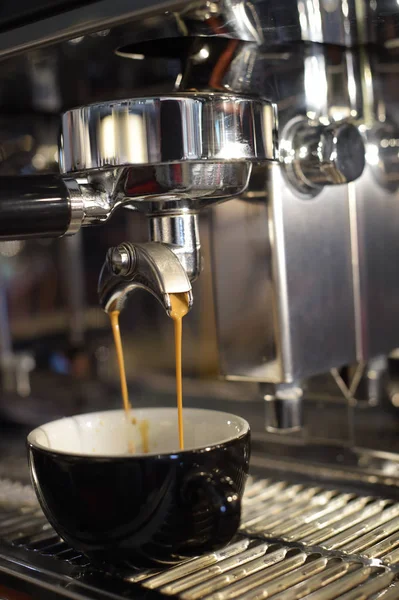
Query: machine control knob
[(318, 155)]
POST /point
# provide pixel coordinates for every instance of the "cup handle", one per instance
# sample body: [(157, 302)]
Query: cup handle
[(221, 492)]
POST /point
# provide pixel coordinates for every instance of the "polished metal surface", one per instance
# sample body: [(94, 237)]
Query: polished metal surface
[(377, 226), (382, 148), (94, 17), (375, 209), (162, 156), (370, 382), (181, 234), (164, 129), (283, 407), (330, 22), (152, 267), (76, 206), (314, 156), (365, 526), (175, 187), (283, 283), (90, 205), (243, 288)]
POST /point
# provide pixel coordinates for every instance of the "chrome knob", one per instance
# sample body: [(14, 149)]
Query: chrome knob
[(320, 155), (121, 259)]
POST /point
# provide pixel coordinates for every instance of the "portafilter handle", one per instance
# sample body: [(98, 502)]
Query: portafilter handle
[(150, 266)]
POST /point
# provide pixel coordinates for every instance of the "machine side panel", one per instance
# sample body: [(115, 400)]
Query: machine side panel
[(283, 283), (377, 212)]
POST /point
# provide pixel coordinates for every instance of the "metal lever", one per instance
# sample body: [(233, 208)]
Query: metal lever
[(151, 266)]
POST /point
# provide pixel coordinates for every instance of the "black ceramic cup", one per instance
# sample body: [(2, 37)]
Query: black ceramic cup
[(133, 510)]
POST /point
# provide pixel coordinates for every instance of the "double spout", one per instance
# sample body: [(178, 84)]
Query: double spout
[(151, 266), (165, 265)]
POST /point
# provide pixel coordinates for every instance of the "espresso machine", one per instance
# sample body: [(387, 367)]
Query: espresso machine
[(245, 152)]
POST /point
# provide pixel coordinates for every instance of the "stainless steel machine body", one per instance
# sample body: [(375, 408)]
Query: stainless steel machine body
[(286, 111)]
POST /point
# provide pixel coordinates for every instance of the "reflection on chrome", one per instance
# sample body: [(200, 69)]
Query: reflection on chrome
[(165, 129)]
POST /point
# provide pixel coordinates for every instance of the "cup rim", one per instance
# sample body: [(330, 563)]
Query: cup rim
[(244, 430)]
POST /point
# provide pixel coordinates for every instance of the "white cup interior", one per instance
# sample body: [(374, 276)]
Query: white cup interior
[(109, 433)]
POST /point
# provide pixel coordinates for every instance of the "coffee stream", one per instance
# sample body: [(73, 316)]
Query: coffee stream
[(179, 304), (114, 318), (179, 308)]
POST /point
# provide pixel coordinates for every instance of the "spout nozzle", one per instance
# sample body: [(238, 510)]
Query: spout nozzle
[(283, 407), (152, 267)]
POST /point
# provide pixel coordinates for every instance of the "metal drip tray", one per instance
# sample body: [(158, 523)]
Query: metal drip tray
[(296, 541)]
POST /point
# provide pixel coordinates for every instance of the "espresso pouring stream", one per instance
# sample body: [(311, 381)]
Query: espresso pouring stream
[(179, 308), (179, 304), (114, 318)]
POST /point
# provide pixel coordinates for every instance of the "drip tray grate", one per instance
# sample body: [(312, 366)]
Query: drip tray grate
[(314, 517), (296, 541)]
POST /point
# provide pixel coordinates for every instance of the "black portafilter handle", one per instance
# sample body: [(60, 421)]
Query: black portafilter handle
[(35, 206)]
